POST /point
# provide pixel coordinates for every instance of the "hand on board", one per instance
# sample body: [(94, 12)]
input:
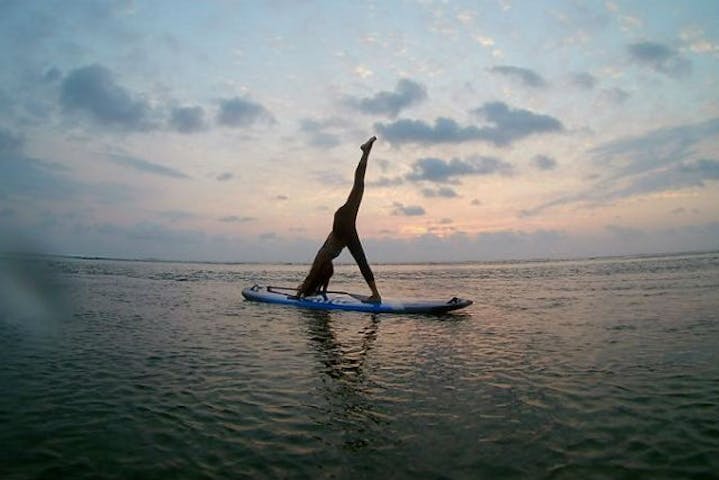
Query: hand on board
[(373, 299)]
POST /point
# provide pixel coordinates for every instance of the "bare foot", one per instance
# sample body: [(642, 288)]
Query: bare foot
[(367, 146)]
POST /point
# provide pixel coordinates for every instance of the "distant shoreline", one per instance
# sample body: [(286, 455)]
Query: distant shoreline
[(463, 262)]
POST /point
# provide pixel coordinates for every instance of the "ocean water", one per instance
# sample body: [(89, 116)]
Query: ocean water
[(597, 368)]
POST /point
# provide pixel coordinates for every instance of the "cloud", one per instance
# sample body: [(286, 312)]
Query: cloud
[(407, 211), (654, 149), (544, 162), (660, 58), (282, 197), (537, 244), (322, 133), (386, 182), (444, 192), (512, 124), (363, 72), (695, 39), (236, 219), (10, 144), (24, 176), (157, 233), (685, 174), (327, 177), (52, 75), (445, 130), (145, 166), (527, 77), (383, 163), (147, 240), (187, 119), (223, 177), (176, 215), (705, 168), (657, 161), (93, 91), (405, 94), (240, 112), (584, 80), (442, 171), (507, 125), (615, 95)]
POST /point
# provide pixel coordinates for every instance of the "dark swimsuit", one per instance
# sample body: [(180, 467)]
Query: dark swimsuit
[(345, 231)]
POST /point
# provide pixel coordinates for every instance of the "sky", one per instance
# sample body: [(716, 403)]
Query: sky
[(230, 130)]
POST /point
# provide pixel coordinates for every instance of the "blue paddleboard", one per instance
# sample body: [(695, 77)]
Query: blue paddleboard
[(349, 301)]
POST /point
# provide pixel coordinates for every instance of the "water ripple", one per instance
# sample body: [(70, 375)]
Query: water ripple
[(604, 368)]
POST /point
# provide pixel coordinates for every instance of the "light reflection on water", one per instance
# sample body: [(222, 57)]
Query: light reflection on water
[(563, 369)]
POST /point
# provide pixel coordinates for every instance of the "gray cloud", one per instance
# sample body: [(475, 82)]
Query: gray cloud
[(657, 161), (408, 210), (145, 166), (240, 112), (158, 233), (223, 177), (187, 119), (615, 95), (405, 94), (386, 182), (654, 149), (685, 174), (660, 58), (383, 163), (444, 192), (93, 91), (10, 143), (512, 124), (52, 75), (544, 162), (236, 219), (176, 215), (321, 133), (147, 240), (326, 177), (24, 176), (584, 80), (444, 130), (508, 125), (442, 171), (527, 77)]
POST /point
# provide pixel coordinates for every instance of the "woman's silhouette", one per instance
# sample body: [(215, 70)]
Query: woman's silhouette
[(343, 234)]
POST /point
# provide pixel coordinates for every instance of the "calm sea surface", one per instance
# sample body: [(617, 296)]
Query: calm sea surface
[(601, 368)]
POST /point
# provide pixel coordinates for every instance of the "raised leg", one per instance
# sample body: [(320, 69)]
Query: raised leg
[(355, 197)]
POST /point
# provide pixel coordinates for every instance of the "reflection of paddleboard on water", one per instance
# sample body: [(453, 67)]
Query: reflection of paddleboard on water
[(349, 301)]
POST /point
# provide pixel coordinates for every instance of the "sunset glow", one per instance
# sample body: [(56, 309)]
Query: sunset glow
[(230, 130)]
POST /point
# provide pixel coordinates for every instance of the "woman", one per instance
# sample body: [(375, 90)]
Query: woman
[(343, 234)]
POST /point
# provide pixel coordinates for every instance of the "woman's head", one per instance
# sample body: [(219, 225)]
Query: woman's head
[(318, 278)]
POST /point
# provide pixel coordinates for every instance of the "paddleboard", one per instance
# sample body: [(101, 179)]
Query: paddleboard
[(349, 301)]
